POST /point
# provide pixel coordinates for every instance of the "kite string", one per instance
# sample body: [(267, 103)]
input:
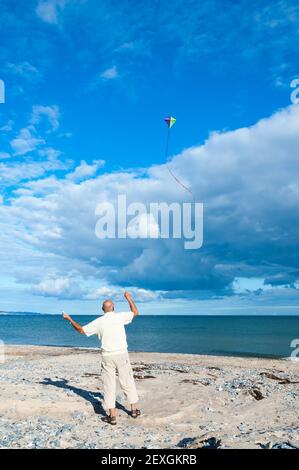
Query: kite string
[(170, 171)]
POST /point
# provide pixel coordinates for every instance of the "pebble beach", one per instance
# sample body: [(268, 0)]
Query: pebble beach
[(51, 397)]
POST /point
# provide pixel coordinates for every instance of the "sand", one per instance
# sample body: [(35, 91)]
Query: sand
[(51, 397)]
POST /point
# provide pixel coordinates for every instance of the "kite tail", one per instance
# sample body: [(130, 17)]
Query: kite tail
[(171, 172)]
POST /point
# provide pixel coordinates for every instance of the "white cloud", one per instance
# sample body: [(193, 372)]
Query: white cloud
[(50, 153), (7, 127), (96, 294), (42, 157), (12, 173), (140, 295), (25, 142), (67, 287), (27, 139), (110, 74), (51, 113), (48, 10), (23, 69), (85, 171), (62, 287)]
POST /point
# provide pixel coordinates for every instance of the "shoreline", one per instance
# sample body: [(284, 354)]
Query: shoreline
[(51, 397), (96, 349)]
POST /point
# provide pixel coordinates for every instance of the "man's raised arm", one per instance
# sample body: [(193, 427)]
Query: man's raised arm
[(133, 307), (73, 323)]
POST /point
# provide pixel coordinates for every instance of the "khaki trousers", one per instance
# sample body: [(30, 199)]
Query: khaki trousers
[(119, 363)]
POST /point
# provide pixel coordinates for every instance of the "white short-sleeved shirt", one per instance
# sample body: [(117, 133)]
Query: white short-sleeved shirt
[(110, 329)]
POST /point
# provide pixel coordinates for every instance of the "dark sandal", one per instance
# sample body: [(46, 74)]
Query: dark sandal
[(135, 413), (110, 420)]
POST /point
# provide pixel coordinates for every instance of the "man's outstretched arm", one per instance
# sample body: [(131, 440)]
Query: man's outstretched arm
[(133, 307), (73, 323)]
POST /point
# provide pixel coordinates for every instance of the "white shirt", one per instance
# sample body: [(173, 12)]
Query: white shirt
[(111, 331)]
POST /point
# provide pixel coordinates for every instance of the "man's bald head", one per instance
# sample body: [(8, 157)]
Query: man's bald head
[(108, 306)]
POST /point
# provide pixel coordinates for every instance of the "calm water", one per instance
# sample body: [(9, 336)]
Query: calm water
[(218, 335)]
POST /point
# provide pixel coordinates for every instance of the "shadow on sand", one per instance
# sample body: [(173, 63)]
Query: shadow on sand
[(95, 398)]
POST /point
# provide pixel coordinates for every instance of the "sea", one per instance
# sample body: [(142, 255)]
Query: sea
[(247, 336)]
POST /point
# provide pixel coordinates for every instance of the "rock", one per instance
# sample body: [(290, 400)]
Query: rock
[(242, 428), (256, 393), (199, 443), (185, 442), (280, 445)]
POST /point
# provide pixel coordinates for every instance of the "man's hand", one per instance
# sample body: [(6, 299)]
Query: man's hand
[(77, 327), (133, 307), (127, 295), (66, 316)]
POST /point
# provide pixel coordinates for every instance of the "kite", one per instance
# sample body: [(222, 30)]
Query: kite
[(170, 121)]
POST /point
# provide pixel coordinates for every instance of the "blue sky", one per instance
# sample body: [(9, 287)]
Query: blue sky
[(88, 84)]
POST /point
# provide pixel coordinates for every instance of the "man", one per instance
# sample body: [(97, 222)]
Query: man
[(114, 351)]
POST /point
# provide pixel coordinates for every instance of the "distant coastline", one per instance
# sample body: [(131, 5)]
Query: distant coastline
[(7, 312)]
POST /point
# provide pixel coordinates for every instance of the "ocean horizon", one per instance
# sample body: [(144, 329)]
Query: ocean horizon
[(222, 335)]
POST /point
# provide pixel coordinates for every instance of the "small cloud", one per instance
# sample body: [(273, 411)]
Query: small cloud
[(50, 112), (24, 70), (134, 47), (110, 73), (48, 10), (7, 127), (127, 46), (140, 295), (98, 293), (4, 155), (85, 171), (50, 153), (28, 140), (106, 76), (61, 288), (25, 142), (66, 135)]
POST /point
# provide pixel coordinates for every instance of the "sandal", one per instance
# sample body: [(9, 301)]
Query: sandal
[(135, 413), (110, 420)]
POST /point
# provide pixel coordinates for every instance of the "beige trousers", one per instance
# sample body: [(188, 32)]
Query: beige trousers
[(119, 363)]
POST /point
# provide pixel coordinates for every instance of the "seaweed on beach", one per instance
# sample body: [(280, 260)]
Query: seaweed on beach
[(256, 393), (281, 380)]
